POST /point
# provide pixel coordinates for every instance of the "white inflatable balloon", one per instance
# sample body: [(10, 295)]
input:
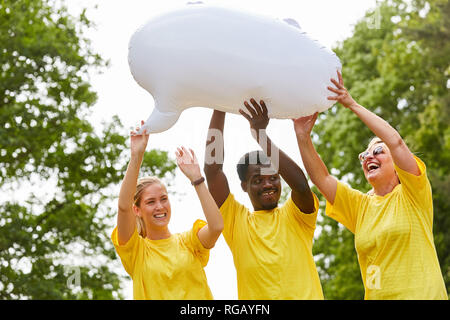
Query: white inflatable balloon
[(203, 56)]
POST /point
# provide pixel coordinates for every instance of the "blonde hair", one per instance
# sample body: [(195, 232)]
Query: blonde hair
[(374, 141), (141, 185)]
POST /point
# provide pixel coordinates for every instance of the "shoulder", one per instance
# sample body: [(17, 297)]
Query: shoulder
[(190, 237), (291, 207), (232, 205), (403, 174), (308, 220), (416, 186), (135, 238)]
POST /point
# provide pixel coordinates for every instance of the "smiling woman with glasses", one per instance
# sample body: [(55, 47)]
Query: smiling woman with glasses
[(392, 223), (363, 155)]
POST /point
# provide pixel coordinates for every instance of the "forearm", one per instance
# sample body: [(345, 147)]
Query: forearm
[(400, 152), (215, 144), (214, 156), (380, 127), (210, 209), (128, 187), (209, 234), (126, 220), (269, 148), (316, 169), (311, 160), (287, 168)]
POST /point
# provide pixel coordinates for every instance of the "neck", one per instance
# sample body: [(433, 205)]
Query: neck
[(260, 208), (385, 188), (158, 234)]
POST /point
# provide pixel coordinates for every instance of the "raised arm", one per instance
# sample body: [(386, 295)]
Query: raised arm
[(214, 155), (188, 164), (126, 219), (316, 169), (400, 152), (287, 168)]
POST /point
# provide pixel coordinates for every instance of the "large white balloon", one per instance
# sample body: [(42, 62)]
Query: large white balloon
[(203, 56)]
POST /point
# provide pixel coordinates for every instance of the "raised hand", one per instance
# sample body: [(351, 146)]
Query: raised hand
[(188, 163), (258, 117), (342, 96), (303, 125), (138, 141), (126, 219)]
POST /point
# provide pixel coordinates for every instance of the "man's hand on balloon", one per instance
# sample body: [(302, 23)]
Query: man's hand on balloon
[(258, 117)]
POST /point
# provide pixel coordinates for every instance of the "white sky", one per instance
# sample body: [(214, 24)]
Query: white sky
[(327, 21)]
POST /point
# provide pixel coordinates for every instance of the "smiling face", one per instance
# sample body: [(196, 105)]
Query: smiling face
[(264, 191), (154, 206), (377, 164)]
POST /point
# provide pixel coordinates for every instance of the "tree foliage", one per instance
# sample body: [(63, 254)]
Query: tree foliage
[(47, 142), (396, 64)]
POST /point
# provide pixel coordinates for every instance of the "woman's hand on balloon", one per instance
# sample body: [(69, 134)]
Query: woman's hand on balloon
[(139, 141), (342, 96), (188, 163), (303, 125)]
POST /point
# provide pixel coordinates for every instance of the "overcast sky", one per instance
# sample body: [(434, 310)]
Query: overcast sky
[(328, 21)]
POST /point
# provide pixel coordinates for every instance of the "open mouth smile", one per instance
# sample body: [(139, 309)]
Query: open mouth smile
[(372, 167), (268, 193)]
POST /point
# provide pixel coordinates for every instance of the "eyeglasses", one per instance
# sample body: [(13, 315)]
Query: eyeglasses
[(363, 155)]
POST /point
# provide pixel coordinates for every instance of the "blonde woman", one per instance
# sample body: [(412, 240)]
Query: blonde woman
[(163, 265), (393, 223)]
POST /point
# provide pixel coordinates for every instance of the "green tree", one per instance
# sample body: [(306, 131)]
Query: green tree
[(396, 64), (51, 241)]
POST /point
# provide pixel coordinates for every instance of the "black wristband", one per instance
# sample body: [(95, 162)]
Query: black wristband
[(198, 181)]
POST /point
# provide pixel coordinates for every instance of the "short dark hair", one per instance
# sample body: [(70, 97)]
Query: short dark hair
[(253, 157)]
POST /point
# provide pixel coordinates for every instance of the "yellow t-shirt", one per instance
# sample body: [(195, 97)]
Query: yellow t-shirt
[(393, 238), (272, 251), (166, 269)]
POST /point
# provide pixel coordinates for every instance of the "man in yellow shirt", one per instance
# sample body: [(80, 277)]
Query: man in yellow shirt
[(271, 245)]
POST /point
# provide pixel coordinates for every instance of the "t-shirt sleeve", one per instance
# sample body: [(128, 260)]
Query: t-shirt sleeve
[(127, 252), (417, 188), (194, 244), (347, 204), (230, 210), (307, 220)]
